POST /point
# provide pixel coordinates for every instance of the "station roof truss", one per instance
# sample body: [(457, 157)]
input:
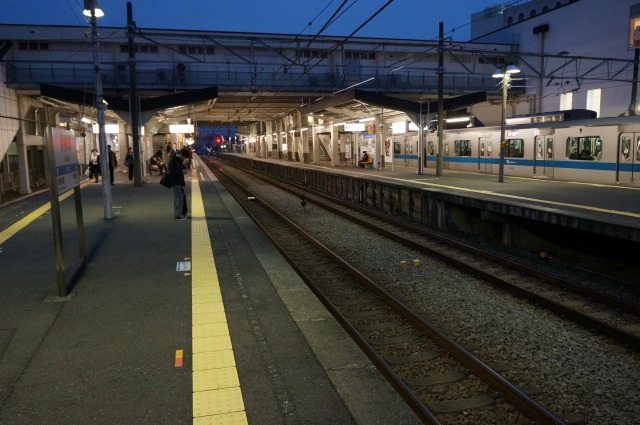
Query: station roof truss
[(357, 104)]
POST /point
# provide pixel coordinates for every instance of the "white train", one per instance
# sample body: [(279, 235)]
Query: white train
[(561, 146)]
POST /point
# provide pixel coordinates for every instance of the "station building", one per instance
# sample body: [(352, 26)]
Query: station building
[(291, 95)]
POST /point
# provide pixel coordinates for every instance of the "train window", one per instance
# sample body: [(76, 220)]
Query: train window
[(638, 150), (515, 148), (549, 147), (463, 147), (585, 148), (625, 147), (430, 149)]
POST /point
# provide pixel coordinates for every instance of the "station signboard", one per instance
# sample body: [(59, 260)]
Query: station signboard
[(66, 159)]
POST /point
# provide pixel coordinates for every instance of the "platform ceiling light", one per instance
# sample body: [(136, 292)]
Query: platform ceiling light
[(86, 120), (367, 119), (500, 72), (457, 119), (398, 127), (92, 4)]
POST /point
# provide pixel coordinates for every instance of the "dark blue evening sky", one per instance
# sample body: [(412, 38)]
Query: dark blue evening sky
[(411, 19)]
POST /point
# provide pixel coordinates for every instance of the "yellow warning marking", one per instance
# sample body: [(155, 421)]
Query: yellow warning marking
[(210, 329), (211, 343), (203, 361), (207, 298), (178, 360), (10, 231), (215, 379), (211, 317), (217, 398), (215, 402), (234, 418)]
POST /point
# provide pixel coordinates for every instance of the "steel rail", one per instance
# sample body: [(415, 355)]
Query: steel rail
[(520, 400), (629, 339)]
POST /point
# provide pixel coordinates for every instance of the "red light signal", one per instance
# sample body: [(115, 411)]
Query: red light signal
[(218, 139)]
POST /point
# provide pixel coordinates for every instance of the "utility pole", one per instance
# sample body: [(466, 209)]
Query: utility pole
[(440, 157), (100, 106), (133, 101)]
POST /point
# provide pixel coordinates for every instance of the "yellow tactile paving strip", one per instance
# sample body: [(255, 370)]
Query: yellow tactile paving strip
[(10, 231), (217, 398)]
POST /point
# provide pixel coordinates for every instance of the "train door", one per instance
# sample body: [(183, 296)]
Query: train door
[(445, 154), (485, 154), (628, 157), (543, 157), (408, 150)]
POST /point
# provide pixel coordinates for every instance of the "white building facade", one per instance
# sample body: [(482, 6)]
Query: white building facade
[(576, 54)]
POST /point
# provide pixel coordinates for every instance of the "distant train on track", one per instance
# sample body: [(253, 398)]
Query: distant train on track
[(566, 145)]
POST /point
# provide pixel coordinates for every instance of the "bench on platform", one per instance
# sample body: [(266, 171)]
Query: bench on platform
[(152, 170)]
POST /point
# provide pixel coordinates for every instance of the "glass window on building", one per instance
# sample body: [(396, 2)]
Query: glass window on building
[(634, 26), (566, 101), (593, 100)]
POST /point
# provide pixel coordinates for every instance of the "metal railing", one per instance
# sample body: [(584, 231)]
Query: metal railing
[(168, 76)]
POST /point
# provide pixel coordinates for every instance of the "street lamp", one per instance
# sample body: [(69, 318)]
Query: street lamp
[(92, 11), (505, 75)]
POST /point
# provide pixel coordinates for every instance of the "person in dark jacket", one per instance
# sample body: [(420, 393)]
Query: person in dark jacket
[(113, 162), (174, 169), (128, 162)]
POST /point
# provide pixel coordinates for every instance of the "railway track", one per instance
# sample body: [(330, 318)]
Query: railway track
[(441, 380), (608, 315)]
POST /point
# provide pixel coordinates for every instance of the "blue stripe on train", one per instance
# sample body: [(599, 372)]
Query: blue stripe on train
[(570, 165)]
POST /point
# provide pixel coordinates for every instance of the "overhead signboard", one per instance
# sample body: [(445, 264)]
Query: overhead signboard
[(355, 127)]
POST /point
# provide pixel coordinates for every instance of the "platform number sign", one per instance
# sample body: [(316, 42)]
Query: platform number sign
[(66, 157)]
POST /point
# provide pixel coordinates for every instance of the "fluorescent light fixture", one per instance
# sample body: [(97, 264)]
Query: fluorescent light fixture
[(367, 119), (512, 69), (180, 128), (92, 4), (500, 73), (338, 123), (458, 119), (108, 128), (86, 120)]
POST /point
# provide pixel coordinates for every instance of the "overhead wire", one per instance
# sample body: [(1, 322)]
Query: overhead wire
[(336, 46)]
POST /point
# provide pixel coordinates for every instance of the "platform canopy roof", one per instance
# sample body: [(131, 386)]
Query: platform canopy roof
[(208, 106)]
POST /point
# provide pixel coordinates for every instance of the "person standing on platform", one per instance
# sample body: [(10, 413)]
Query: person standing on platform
[(128, 162), (94, 164), (185, 152), (174, 169), (113, 163)]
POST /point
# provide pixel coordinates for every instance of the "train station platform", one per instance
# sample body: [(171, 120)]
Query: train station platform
[(615, 204), (539, 215), (170, 322)]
